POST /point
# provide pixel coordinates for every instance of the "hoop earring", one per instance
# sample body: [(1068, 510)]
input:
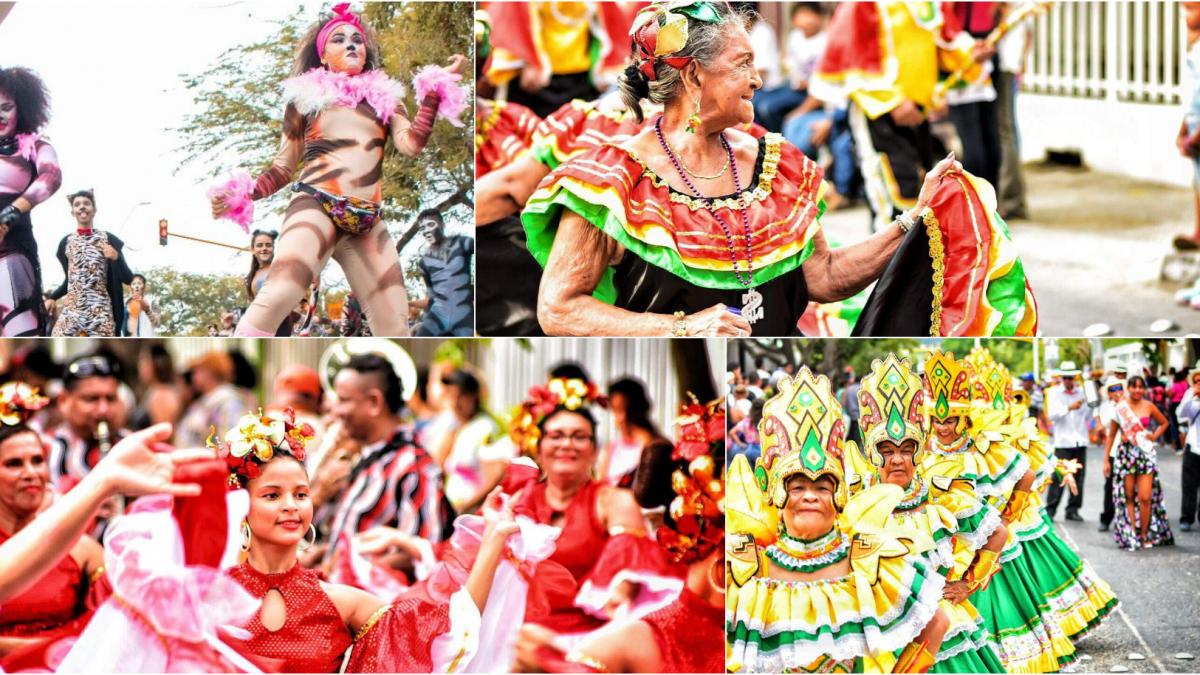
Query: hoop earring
[(712, 577), (245, 536), (308, 543), (693, 121)]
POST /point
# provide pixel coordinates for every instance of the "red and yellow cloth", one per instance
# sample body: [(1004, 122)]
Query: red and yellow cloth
[(561, 37), (881, 53), (979, 283), (502, 131), (616, 191)]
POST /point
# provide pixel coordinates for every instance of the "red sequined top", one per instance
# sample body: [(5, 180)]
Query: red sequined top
[(313, 638), (687, 632), (54, 601)]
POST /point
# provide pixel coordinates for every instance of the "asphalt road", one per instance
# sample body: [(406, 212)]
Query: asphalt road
[(1159, 588)]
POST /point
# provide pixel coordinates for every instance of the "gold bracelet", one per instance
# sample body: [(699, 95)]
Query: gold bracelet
[(680, 325)]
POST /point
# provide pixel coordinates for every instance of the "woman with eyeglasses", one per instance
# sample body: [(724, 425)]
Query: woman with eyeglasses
[(618, 569), (1140, 518)]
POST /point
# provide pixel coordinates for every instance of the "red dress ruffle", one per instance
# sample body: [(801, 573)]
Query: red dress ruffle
[(503, 130), (401, 641)]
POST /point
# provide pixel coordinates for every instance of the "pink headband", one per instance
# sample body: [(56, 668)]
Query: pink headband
[(341, 15)]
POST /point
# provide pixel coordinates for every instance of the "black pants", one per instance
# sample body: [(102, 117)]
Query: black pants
[(1106, 516), (1054, 495), (1191, 486), (978, 129)]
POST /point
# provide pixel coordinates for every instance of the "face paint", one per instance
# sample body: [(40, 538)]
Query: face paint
[(8, 115), (345, 50), (84, 211)]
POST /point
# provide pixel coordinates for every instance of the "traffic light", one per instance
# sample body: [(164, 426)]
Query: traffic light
[(162, 232)]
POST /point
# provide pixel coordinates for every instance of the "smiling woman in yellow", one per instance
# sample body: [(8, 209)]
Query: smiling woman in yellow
[(816, 585)]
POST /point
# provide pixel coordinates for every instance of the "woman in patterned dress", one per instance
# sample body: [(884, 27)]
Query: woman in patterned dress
[(1141, 518)]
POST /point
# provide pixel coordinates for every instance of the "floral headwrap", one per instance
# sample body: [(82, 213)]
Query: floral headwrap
[(18, 402), (655, 41), (341, 15), (256, 439), (698, 510), (559, 393)]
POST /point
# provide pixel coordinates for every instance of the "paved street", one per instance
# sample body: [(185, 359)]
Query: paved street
[(1159, 588), (1093, 249)]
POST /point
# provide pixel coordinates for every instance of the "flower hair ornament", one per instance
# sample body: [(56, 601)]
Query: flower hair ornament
[(18, 402), (559, 393), (256, 439), (656, 40), (698, 510)]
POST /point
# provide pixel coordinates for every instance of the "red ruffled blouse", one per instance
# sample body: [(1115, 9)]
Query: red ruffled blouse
[(502, 131), (57, 599)]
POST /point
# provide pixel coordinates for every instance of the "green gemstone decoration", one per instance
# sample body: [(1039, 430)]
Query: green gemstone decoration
[(942, 407), (760, 477), (895, 425), (811, 453)]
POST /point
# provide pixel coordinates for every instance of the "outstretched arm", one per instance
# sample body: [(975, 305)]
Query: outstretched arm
[(836, 274), (132, 467)]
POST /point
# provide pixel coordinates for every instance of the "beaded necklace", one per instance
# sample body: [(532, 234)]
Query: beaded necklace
[(752, 300), (955, 446), (798, 555), (914, 495)]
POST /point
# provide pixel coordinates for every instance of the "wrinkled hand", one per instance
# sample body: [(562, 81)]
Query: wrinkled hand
[(956, 591), (458, 64), (717, 321), (530, 639), (133, 467), (943, 169), (907, 114), (820, 132)]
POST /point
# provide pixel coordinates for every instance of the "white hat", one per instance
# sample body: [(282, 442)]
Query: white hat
[(1068, 369), (1113, 381)]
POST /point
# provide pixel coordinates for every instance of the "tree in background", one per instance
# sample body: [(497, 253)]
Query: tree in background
[(189, 302), (238, 119)]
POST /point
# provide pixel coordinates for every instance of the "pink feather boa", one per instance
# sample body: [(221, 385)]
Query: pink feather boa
[(319, 88), (239, 202), (27, 146), (442, 83)]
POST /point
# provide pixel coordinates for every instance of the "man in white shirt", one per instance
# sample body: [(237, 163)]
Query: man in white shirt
[(1106, 414), (1189, 414), (1067, 409)]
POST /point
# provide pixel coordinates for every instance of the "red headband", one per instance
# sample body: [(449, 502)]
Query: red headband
[(341, 15)]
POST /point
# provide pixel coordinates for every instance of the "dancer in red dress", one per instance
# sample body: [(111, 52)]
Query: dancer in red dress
[(62, 599), (306, 625), (603, 540), (679, 637)]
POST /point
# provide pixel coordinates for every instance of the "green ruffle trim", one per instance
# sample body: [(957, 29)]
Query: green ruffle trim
[(543, 210), (739, 632)]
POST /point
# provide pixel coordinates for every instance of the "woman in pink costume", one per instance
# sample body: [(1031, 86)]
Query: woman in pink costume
[(340, 110), (29, 174)]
